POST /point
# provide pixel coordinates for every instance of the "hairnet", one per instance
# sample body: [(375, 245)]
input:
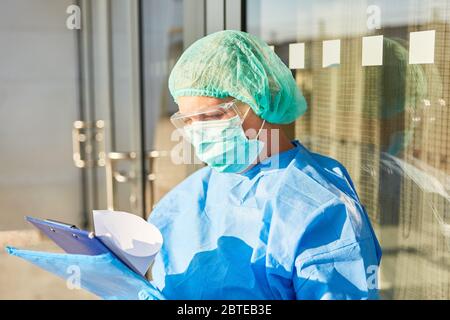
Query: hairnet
[(238, 64)]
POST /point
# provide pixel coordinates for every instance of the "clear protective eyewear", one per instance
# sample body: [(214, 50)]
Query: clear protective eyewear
[(221, 111)]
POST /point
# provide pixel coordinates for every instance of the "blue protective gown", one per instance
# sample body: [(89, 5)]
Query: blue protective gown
[(292, 227)]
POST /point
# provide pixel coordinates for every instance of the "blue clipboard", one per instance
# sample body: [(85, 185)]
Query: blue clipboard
[(69, 238), (101, 271)]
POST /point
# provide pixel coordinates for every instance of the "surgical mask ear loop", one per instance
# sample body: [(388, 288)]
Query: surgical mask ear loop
[(257, 135), (260, 129), (245, 115), (262, 126)]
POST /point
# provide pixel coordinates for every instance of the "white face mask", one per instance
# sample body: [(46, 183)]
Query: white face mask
[(222, 144)]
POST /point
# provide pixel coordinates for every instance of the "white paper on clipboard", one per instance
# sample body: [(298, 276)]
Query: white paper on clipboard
[(134, 240)]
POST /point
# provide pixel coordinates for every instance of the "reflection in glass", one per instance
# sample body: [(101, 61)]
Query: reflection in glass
[(162, 38), (388, 124)]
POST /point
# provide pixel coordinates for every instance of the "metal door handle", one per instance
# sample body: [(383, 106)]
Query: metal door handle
[(88, 138), (113, 176), (151, 175)]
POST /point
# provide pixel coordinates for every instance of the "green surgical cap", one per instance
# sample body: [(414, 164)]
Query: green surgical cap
[(240, 65)]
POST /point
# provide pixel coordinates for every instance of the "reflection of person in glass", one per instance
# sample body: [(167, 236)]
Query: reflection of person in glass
[(267, 218), (405, 103)]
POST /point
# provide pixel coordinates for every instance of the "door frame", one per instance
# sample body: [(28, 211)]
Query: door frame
[(97, 70), (199, 19)]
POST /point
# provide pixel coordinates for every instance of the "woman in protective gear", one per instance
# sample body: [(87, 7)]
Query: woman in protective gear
[(267, 218)]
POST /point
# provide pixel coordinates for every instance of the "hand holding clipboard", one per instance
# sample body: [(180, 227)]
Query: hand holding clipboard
[(112, 262)]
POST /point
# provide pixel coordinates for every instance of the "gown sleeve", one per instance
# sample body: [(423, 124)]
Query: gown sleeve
[(343, 266)]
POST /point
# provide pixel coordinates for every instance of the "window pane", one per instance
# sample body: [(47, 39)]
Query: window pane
[(378, 103), (38, 104)]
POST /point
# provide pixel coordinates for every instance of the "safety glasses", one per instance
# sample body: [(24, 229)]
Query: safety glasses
[(222, 111)]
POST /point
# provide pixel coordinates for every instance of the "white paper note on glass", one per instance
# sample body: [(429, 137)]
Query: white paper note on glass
[(372, 51), (421, 47), (296, 56), (331, 53), (134, 240)]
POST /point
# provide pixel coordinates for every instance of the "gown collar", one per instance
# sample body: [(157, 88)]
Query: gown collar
[(243, 190), (274, 162)]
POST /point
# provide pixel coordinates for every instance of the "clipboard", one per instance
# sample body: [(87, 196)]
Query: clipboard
[(100, 270), (69, 238)]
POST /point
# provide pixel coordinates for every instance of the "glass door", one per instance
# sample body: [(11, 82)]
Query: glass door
[(39, 102), (162, 36), (128, 49), (107, 140), (376, 77), (167, 28), (85, 113)]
